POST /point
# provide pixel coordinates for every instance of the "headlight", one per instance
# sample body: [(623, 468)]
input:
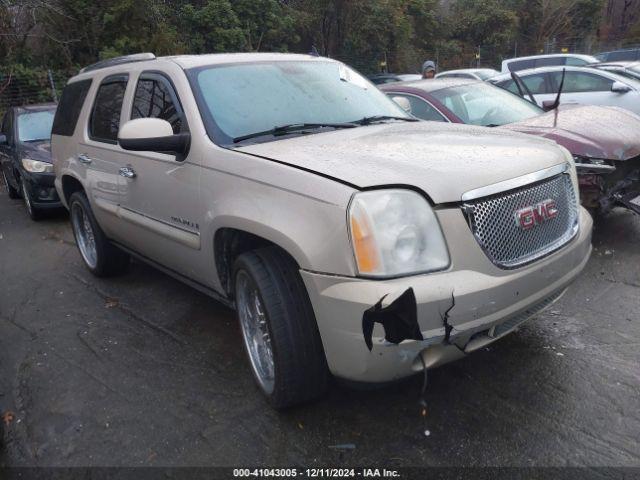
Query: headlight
[(395, 232), (34, 166)]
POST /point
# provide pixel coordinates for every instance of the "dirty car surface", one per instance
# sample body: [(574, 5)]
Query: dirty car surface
[(604, 141)]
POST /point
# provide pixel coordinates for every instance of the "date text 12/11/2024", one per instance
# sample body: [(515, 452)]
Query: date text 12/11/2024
[(316, 473)]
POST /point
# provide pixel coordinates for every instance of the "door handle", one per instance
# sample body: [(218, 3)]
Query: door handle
[(84, 159), (127, 172)]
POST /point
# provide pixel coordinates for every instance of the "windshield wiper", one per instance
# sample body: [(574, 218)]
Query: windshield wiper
[(293, 127), (380, 118)]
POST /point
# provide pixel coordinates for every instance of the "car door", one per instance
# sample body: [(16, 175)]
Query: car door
[(160, 198), (8, 149), (587, 88), (98, 152)]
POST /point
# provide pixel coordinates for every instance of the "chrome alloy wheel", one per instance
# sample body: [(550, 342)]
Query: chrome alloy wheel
[(255, 331), (84, 235)]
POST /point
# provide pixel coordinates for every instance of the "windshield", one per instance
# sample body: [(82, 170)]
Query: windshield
[(239, 100), (35, 126), (486, 105)]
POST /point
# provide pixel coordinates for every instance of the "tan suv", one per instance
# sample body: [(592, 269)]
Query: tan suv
[(352, 239)]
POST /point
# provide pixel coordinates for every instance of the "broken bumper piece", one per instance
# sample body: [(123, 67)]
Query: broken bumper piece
[(483, 305)]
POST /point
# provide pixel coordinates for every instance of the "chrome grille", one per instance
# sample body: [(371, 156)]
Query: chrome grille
[(494, 223)]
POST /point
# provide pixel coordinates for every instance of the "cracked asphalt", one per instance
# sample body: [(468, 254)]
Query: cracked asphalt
[(142, 370)]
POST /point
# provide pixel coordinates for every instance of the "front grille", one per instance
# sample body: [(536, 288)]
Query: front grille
[(494, 222)]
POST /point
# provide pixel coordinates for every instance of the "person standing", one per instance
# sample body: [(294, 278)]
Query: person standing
[(428, 69)]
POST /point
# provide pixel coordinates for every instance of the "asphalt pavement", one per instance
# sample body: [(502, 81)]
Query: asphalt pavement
[(141, 370)]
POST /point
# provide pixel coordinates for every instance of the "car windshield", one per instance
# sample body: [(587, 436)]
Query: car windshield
[(241, 100), (35, 126), (486, 105)]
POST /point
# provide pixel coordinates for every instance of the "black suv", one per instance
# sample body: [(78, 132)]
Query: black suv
[(25, 156)]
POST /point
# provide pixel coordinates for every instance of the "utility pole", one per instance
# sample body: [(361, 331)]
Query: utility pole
[(54, 94)]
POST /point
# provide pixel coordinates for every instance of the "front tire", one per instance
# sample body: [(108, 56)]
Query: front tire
[(101, 257), (33, 212), (13, 193), (279, 328)]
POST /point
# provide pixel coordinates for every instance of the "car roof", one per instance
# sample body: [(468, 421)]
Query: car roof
[(554, 68), (621, 64), (468, 70), (195, 61), (551, 55), (431, 85), (36, 107)]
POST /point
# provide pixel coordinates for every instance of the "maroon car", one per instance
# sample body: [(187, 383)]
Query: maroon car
[(604, 141)]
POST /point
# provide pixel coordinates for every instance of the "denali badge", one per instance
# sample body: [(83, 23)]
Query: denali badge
[(529, 217)]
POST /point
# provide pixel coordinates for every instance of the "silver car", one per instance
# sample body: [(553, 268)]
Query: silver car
[(582, 85), (351, 239)]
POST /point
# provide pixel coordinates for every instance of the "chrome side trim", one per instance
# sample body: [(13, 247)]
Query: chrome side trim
[(514, 183), (172, 232), (595, 168)]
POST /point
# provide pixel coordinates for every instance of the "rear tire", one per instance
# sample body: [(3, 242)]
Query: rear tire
[(33, 212), (101, 257), (13, 193), (271, 298)]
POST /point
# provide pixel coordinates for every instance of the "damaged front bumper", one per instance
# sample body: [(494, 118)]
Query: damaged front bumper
[(487, 304), (610, 183)]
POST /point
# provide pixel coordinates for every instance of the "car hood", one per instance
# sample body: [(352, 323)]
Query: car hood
[(40, 150), (443, 160), (589, 131)]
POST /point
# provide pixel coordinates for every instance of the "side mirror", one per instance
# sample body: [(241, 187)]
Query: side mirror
[(3, 139), (152, 135), (403, 102), (548, 105), (619, 87)]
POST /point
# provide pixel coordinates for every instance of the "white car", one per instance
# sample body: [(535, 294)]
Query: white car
[(470, 73), (582, 85), (553, 59)]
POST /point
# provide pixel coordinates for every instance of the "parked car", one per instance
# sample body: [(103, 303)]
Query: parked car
[(351, 238), (604, 141), (25, 157), (471, 73), (382, 78), (623, 55), (582, 85), (626, 69), (547, 60)]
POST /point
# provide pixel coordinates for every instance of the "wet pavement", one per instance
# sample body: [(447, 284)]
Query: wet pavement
[(142, 370)]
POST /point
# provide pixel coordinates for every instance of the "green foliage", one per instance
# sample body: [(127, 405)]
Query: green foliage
[(365, 33)]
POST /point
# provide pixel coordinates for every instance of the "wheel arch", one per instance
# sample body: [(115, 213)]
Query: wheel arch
[(70, 185), (232, 240)]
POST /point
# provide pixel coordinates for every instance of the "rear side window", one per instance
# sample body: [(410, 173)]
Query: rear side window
[(155, 98), (105, 117), (550, 61), (66, 118), (576, 82), (576, 62), (521, 65)]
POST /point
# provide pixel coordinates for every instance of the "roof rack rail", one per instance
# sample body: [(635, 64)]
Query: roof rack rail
[(136, 57)]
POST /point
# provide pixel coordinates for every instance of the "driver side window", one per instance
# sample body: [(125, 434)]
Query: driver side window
[(155, 98), (421, 109)]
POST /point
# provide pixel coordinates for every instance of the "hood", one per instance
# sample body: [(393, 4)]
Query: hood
[(589, 131), (443, 160), (39, 150)]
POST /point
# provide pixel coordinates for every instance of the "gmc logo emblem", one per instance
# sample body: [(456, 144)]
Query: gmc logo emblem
[(529, 217)]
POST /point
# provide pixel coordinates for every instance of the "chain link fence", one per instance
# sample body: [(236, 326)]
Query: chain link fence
[(30, 86)]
